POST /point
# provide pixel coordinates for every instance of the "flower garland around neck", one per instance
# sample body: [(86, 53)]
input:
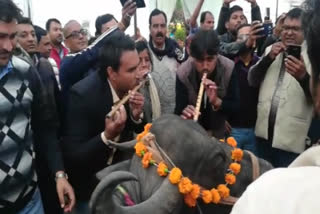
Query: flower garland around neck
[(191, 191)]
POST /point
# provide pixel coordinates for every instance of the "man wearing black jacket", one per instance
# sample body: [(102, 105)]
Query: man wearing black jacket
[(87, 131)]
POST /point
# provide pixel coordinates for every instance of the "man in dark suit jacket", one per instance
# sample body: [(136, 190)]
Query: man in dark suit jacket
[(85, 146)]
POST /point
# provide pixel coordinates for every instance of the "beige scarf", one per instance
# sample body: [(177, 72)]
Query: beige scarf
[(155, 102)]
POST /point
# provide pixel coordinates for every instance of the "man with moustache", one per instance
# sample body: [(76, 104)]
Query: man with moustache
[(58, 52), (221, 98), (166, 57), (27, 121), (285, 104), (26, 38)]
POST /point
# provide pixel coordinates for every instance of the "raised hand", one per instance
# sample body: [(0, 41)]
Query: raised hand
[(128, 10), (226, 3), (256, 27), (252, 2)]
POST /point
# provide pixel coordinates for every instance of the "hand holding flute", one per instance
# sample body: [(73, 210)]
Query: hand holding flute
[(115, 122), (135, 98), (199, 99), (211, 90)]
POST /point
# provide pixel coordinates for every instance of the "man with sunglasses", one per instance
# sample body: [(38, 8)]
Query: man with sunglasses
[(75, 36), (285, 104)]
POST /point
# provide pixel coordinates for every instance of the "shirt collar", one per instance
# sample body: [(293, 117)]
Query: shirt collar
[(6, 69), (115, 97)]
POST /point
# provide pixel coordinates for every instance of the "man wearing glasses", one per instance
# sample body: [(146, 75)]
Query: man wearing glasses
[(285, 104), (75, 36)]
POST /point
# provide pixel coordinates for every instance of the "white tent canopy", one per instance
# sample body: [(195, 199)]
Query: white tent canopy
[(88, 10)]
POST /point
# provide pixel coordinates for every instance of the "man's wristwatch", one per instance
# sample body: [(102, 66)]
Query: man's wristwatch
[(61, 175)]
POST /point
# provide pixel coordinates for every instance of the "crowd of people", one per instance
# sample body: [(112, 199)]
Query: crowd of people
[(58, 84)]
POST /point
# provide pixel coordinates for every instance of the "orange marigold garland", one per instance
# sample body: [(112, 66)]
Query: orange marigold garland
[(230, 179), (140, 148), (215, 196), (185, 185), (189, 200), (162, 169), (147, 127), (191, 191), (140, 136), (237, 155), (206, 196), (235, 168), (147, 158), (224, 191), (232, 142), (195, 193), (175, 175)]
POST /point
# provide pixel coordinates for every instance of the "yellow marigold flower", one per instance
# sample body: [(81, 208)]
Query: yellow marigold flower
[(235, 168), (147, 127), (206, 196), (237, 154), (230, 179), (175, 175), (140, 149), (232, 142), (189, 200), (195, 193), (224, 191), (146, 159), (185, 185), (162, 169), (215, 196), (222, 140)]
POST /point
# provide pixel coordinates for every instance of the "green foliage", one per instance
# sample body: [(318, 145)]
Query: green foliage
[(180, 34)]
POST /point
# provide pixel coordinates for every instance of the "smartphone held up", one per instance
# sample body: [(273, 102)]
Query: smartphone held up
[(294, 50), (139, 3)]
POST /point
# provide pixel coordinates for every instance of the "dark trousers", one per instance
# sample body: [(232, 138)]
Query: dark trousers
[(277, 157)]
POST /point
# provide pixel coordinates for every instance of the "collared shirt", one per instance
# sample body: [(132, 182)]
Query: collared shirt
[(115, 97), (6, 70)]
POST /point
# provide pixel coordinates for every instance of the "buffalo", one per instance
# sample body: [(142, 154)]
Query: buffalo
[(201, 158)]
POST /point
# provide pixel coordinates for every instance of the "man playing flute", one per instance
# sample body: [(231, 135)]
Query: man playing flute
[(221, 96)]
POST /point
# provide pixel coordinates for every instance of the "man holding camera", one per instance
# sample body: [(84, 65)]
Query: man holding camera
[(284, 106)]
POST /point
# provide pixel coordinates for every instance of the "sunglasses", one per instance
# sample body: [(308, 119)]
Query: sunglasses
[(76, 34)]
